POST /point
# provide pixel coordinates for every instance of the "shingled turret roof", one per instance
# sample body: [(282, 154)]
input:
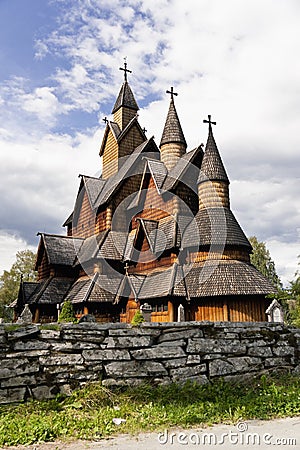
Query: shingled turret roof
[(172, 130), (125, 98), (212, 167)]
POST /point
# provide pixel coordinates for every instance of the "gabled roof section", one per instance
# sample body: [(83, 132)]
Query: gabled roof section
[(69, 220), (93, 187), (149, 227), (172, 130), (212, 167), (127, 168), (90, 247), (118, 134), (51, 291), (60, 250), (158, 171), (98, 288), (125, 99), (187, 168), (113, 246)]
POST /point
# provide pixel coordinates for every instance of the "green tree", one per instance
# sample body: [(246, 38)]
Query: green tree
[(262, 260), (295, 299), (10, 280), (67, 313)]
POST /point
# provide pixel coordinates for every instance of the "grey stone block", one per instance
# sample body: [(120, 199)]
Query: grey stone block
[(283, 351), (19, 381), (49, 334), (220, 367), (14, 367), (182, 373), (176, 334), (135, 369), (128, 341), (13, 395), (175, 343), (69, 346), (158, 352), (106, 355), (134, 331), (193, 359), (215, 346), (61, 360), (30, 345), (265, 352), (172, 363), (23, 332)]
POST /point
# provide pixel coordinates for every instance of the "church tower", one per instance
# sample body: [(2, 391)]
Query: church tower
[(124, 133), (173, 144), (213, 181)]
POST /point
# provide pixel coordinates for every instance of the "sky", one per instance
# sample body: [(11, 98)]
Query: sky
[(59, 76)]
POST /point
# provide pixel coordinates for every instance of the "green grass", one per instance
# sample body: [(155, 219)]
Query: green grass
[(88, 413)]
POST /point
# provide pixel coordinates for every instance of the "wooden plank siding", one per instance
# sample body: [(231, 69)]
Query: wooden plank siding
[(110, 157), (131, 141), (236, 310), (85, 226), (44, 268), (227, 254)]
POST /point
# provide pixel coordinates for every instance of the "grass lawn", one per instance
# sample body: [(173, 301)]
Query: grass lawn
[(89, 413)]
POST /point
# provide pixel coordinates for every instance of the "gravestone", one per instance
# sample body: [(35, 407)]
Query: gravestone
[(181, 317), (146, 311), (275, 312)]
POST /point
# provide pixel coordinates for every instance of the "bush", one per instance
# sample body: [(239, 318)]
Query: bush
[(137, 319), (67, 313)]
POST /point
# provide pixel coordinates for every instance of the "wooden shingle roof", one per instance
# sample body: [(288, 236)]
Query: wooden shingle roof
[(51, 291), (212, 167), (98, 288), (128, 167), (215, 226), (223, 278), (125, 99), (186, 170), (172, 130), (60, 250)]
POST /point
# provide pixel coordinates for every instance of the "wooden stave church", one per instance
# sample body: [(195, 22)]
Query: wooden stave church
[(154, 231)]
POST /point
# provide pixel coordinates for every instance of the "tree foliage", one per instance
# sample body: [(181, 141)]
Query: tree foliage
[(10, 280), (67, 313), (262, 260), (295, 298)]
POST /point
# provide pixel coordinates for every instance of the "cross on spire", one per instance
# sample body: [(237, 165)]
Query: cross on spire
[(172, 92), (126, 267), (105, 119), (209, 121), (125, 69)]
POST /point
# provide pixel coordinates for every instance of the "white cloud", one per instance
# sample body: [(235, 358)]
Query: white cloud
[(41, 102), (235, 60), (9, 246)]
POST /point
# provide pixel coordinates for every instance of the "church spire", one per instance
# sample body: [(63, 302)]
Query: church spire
[(213, 180), (173, 143), (125, 107)]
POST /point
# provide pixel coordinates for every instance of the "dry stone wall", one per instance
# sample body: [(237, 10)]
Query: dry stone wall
[(40, 361)]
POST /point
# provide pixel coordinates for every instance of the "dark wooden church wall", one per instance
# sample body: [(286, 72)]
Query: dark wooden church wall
[(85, 226)]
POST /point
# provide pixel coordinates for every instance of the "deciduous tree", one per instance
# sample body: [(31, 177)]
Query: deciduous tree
[(10, 280)]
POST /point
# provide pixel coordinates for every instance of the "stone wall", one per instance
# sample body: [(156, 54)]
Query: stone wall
[(41, 361)]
